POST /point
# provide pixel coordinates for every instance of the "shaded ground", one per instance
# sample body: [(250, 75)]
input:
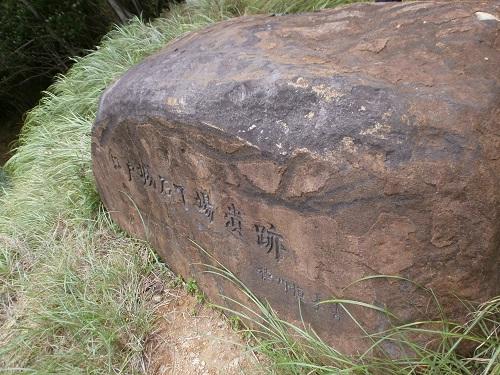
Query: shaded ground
[(9, 131), (192, 338)]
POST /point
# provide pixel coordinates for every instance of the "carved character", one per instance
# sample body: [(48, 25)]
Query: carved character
[(264, 274), (130, 168), (270, 239), (336, 311), (316, 302), (204, 205), (180, 190), (163, 188), (290, 286), (233, 217), (114, 160), (147, 179)]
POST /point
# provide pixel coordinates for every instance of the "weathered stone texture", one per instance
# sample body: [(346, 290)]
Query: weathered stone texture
[(308, 151)]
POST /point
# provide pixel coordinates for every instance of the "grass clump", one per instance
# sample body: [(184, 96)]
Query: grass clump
[(78, 310), (194, 290), (3, 180), (443, 346)]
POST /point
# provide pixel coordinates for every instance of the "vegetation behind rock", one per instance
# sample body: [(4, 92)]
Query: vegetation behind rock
[(39, 39)]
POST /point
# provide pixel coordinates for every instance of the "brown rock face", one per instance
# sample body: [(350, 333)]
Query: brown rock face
[(308, 151)]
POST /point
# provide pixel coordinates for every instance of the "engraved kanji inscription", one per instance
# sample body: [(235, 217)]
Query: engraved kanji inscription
[(316, 301), (164, 187), (179, 189), (147, 178), (333, 307), (291, 287), (204, 205), (157, 182), (271, 240), (288, 286), (115, 160), (130, 168), (336, 311), (233, 219), (142, 171), (265, 275)]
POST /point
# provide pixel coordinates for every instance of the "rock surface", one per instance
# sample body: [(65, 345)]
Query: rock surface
[(305, 152)]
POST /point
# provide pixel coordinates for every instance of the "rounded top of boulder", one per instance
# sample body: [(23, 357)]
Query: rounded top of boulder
[(407, 79)]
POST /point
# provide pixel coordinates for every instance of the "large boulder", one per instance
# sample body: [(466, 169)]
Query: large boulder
[(305, 152)]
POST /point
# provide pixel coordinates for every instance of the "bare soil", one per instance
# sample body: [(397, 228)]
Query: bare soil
[(192, 338)]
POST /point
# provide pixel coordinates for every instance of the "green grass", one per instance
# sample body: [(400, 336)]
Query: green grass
[(3, 180), (73, 288), (77, 311), (299, 350)]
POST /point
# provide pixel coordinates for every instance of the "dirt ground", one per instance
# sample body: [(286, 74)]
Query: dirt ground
[(192, 338)]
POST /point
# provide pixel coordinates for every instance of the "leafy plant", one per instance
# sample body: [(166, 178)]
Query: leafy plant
[(193, 289)]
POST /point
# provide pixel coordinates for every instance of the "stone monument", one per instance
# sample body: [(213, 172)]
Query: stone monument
[(305, 152)]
